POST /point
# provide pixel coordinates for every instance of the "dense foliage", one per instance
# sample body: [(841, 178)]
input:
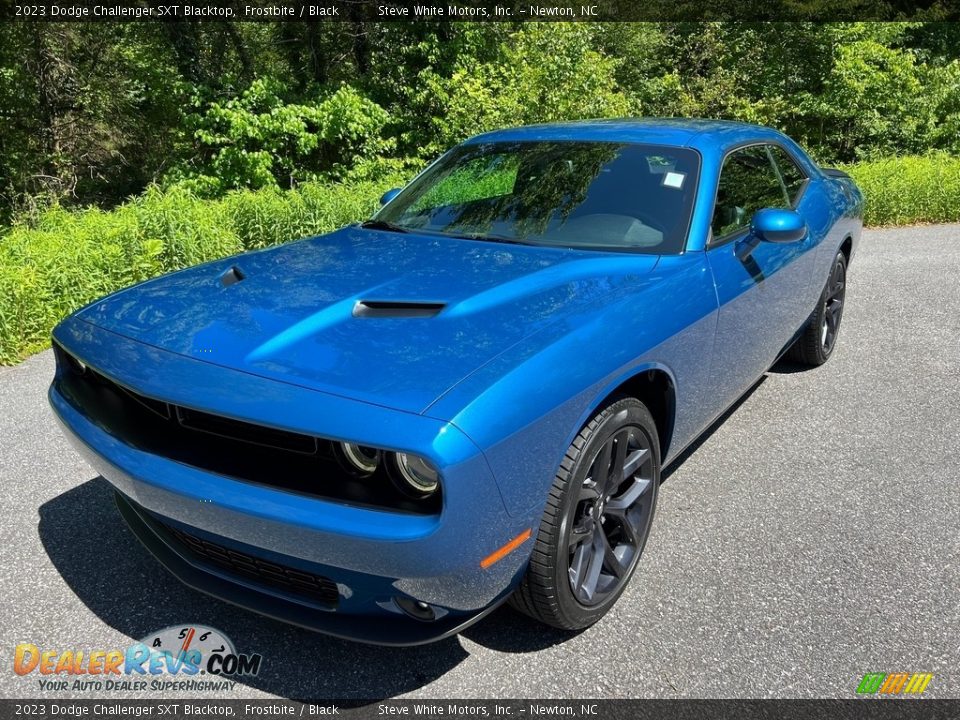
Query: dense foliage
[(232, 137), (63, 259), (909, 190), (66, 259), (93, 113)]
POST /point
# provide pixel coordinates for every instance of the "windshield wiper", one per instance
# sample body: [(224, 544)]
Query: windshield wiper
[(488, 238), (375, 224), (383, 225)]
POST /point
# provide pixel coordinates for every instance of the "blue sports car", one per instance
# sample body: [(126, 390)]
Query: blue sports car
[(384, 432)]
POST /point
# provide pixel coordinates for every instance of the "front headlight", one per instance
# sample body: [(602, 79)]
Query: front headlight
[(415, 475), (359, 460)]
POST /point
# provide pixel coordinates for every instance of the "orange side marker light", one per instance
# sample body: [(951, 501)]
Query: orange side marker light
[(505, 550)]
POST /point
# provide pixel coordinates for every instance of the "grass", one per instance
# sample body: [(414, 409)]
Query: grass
[(65, 259), (909, 190)]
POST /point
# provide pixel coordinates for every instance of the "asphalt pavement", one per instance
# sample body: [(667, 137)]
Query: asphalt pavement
[(812, 537)]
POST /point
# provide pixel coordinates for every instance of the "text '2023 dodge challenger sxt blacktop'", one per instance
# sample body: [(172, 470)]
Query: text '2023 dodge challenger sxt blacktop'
[(383, 432)]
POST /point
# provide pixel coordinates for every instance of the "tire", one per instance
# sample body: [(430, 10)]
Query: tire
[(819, 337), (590, 520)]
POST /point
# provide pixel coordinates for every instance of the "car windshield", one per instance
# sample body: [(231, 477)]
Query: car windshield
[(600, 195)]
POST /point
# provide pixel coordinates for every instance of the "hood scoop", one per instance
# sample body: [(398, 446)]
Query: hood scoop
[(396, 309)]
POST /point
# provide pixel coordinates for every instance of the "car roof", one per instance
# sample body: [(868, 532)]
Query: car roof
[(697, 133)]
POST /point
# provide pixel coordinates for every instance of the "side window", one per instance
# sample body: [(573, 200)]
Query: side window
[(793, 177), (748, 182)]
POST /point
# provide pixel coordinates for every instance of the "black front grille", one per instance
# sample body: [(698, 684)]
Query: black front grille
[(316, 588), (235, 448), (245, 432)]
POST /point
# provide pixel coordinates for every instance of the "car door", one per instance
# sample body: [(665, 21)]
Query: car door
[(760, 285)]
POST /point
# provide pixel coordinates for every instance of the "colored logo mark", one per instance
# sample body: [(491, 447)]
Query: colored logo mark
[(894, 683)]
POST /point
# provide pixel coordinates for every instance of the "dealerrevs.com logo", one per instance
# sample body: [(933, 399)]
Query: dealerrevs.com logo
[(894, 683), (171, 659)]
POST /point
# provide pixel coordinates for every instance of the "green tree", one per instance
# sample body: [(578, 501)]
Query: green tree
[(259, 140), (543, 72)]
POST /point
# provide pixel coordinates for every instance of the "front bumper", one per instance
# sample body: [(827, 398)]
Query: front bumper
[(373, 556), (394, 629)]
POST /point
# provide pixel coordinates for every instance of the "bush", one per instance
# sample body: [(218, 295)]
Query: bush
[(543, 73), (63, 260), (911, 189), (257, 140)]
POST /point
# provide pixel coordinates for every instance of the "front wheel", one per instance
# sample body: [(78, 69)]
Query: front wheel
[(597, 519), (815, 345)]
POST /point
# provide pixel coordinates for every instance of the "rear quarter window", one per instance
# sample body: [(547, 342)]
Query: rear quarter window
[(794, 179), (748, 182)]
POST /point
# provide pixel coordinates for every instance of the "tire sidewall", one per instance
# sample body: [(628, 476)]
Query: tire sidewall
[(823, 352), (627, 411)]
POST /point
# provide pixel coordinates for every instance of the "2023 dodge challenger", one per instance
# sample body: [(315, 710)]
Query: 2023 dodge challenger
[(383, 432)]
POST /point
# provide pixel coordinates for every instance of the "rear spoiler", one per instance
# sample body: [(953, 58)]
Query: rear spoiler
[(833, 172)]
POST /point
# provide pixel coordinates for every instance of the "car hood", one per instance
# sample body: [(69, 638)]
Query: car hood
[(438, 308)]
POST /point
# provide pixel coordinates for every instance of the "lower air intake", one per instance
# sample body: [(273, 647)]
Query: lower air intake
[(316, 588)]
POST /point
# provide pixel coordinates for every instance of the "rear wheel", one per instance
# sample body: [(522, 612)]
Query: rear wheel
[(819, 337), (597, 519)]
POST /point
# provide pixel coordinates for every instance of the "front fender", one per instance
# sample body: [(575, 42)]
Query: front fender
[(525, 408)]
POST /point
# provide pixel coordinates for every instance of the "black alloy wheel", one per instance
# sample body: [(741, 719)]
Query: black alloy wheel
[(598, 516), (819, 336), (833, 306), (611, 519)]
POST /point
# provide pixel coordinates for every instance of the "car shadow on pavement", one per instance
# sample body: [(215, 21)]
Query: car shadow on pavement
[(119, 581), (507, 630), (786, 366), (708, 433)]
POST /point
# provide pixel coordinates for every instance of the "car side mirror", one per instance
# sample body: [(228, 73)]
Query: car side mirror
[(389, 195), (778, 225)]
